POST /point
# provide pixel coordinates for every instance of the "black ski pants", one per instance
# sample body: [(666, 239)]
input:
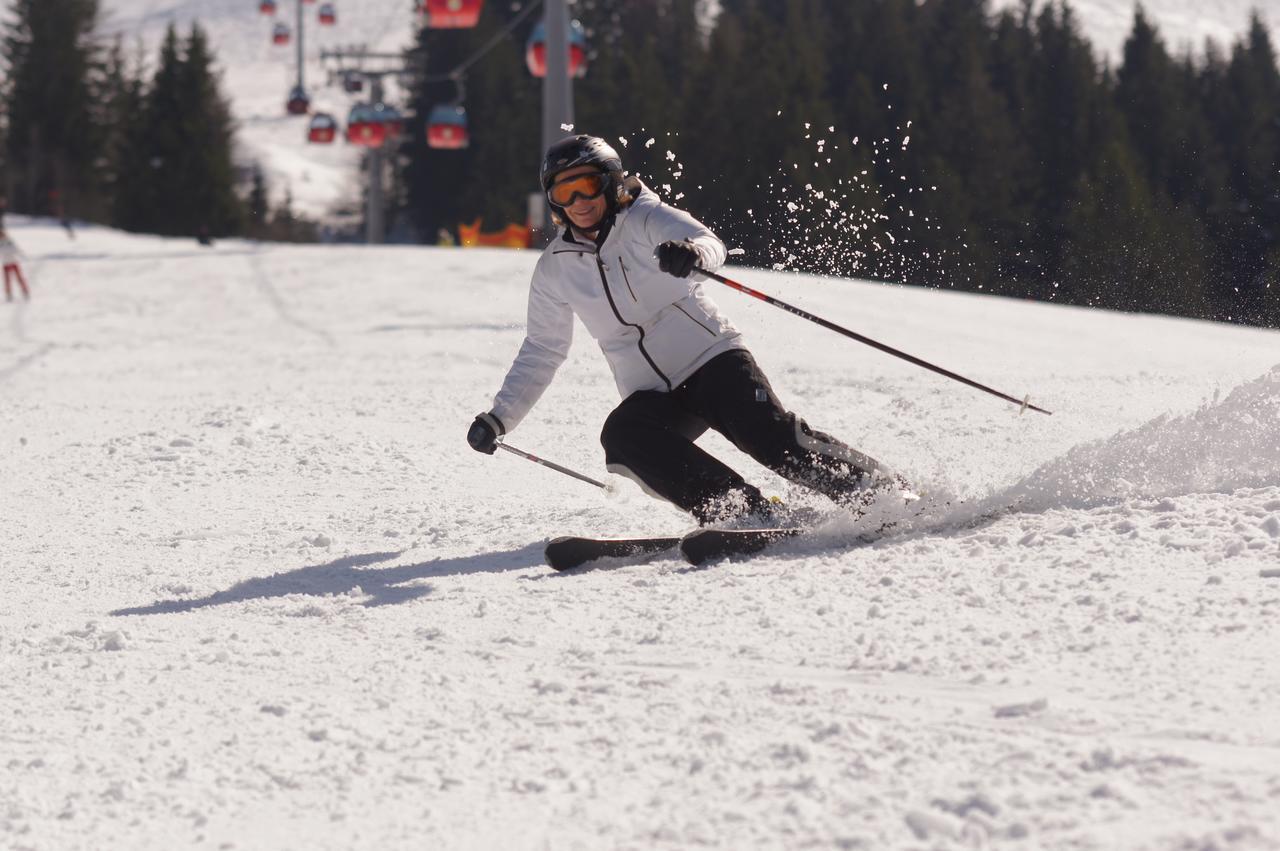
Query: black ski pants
[(650, 438)]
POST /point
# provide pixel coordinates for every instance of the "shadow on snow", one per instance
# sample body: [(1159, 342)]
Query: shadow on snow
[(383, 586)]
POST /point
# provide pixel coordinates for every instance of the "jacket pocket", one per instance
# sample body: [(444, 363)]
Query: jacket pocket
[(627, 280)]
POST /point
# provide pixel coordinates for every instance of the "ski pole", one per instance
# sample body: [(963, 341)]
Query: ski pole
[(1024, 403), (535, 459)]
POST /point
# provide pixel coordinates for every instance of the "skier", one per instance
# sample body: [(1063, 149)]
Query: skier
[(9, 255), (626, 264)]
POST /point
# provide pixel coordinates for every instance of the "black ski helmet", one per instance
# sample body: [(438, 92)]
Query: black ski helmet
[(582, 149)]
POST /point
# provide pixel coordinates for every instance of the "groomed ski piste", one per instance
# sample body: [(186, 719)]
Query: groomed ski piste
[(258, 593)]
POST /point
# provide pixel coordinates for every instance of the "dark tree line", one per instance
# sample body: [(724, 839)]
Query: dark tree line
[(90, 133), (993, 152)]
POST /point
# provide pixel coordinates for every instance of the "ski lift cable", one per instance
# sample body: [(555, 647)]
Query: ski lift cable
[(457, 72)]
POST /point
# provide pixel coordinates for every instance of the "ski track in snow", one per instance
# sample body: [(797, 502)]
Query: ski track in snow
[(260, 594)]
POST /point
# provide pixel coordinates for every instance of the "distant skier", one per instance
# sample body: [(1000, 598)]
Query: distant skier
[(623, 263), (9, 257)]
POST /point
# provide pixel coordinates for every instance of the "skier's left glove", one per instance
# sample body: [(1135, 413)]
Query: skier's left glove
[(484, 433), (677, 258)]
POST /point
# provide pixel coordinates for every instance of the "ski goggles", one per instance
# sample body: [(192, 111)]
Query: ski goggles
[(589, 186)]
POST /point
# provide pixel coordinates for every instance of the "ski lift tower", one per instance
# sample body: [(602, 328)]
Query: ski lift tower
[(302, 83), (371, 68), (557, 99)]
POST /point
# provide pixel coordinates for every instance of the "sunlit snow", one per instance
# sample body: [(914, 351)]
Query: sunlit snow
[(259, 593)]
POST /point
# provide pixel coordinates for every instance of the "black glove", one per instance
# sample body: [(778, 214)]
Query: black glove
[(484, 433), (677, 258)]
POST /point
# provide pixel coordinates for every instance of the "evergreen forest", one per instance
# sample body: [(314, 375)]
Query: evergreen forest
[(929, 142)]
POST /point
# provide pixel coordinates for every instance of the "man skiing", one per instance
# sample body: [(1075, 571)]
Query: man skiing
[(626, 264)]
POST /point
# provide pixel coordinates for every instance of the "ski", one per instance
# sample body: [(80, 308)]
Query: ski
[(568, 552), (706, 544)]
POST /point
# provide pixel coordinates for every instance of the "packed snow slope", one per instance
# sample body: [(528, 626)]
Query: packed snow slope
[(1184, 25), (259, 593), (257, 75)]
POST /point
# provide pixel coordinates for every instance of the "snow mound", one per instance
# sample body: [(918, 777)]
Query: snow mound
[(1221, 447)]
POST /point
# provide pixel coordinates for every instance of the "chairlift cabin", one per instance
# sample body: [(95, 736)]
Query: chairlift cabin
[(299, 103), (451, 14), (280, 33), (535, 50), (328, 15), (267, 7), (323, 129), (352, 85), (447, 127)]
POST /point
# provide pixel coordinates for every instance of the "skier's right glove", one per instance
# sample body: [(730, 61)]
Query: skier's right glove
[(484, 433)]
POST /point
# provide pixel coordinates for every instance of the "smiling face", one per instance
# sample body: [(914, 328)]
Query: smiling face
[(585, 213)]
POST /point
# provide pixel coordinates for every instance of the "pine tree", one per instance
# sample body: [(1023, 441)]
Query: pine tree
[(119, 99), (51, 137), (1245, 107), (208, 189), (178, 177)]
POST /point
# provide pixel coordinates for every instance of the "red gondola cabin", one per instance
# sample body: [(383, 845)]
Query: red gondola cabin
[(323, 129), (280, 34), (451, 14), (267, 7), (447, 128), (371, 125), (328, 15), (298, 103), (535, 50)]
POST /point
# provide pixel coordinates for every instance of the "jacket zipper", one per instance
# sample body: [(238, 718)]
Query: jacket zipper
[(639, 343), (627, 280)]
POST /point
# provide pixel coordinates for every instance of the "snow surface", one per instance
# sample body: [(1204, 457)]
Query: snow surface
[(257, 76), (1183, 24), (258, 592)]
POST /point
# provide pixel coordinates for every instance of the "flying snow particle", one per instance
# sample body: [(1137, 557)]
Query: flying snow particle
[(623, 141), (671, 156), (649, 144), (568, 128)]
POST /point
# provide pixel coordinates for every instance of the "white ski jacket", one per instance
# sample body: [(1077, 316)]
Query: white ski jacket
[(655, 329)]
